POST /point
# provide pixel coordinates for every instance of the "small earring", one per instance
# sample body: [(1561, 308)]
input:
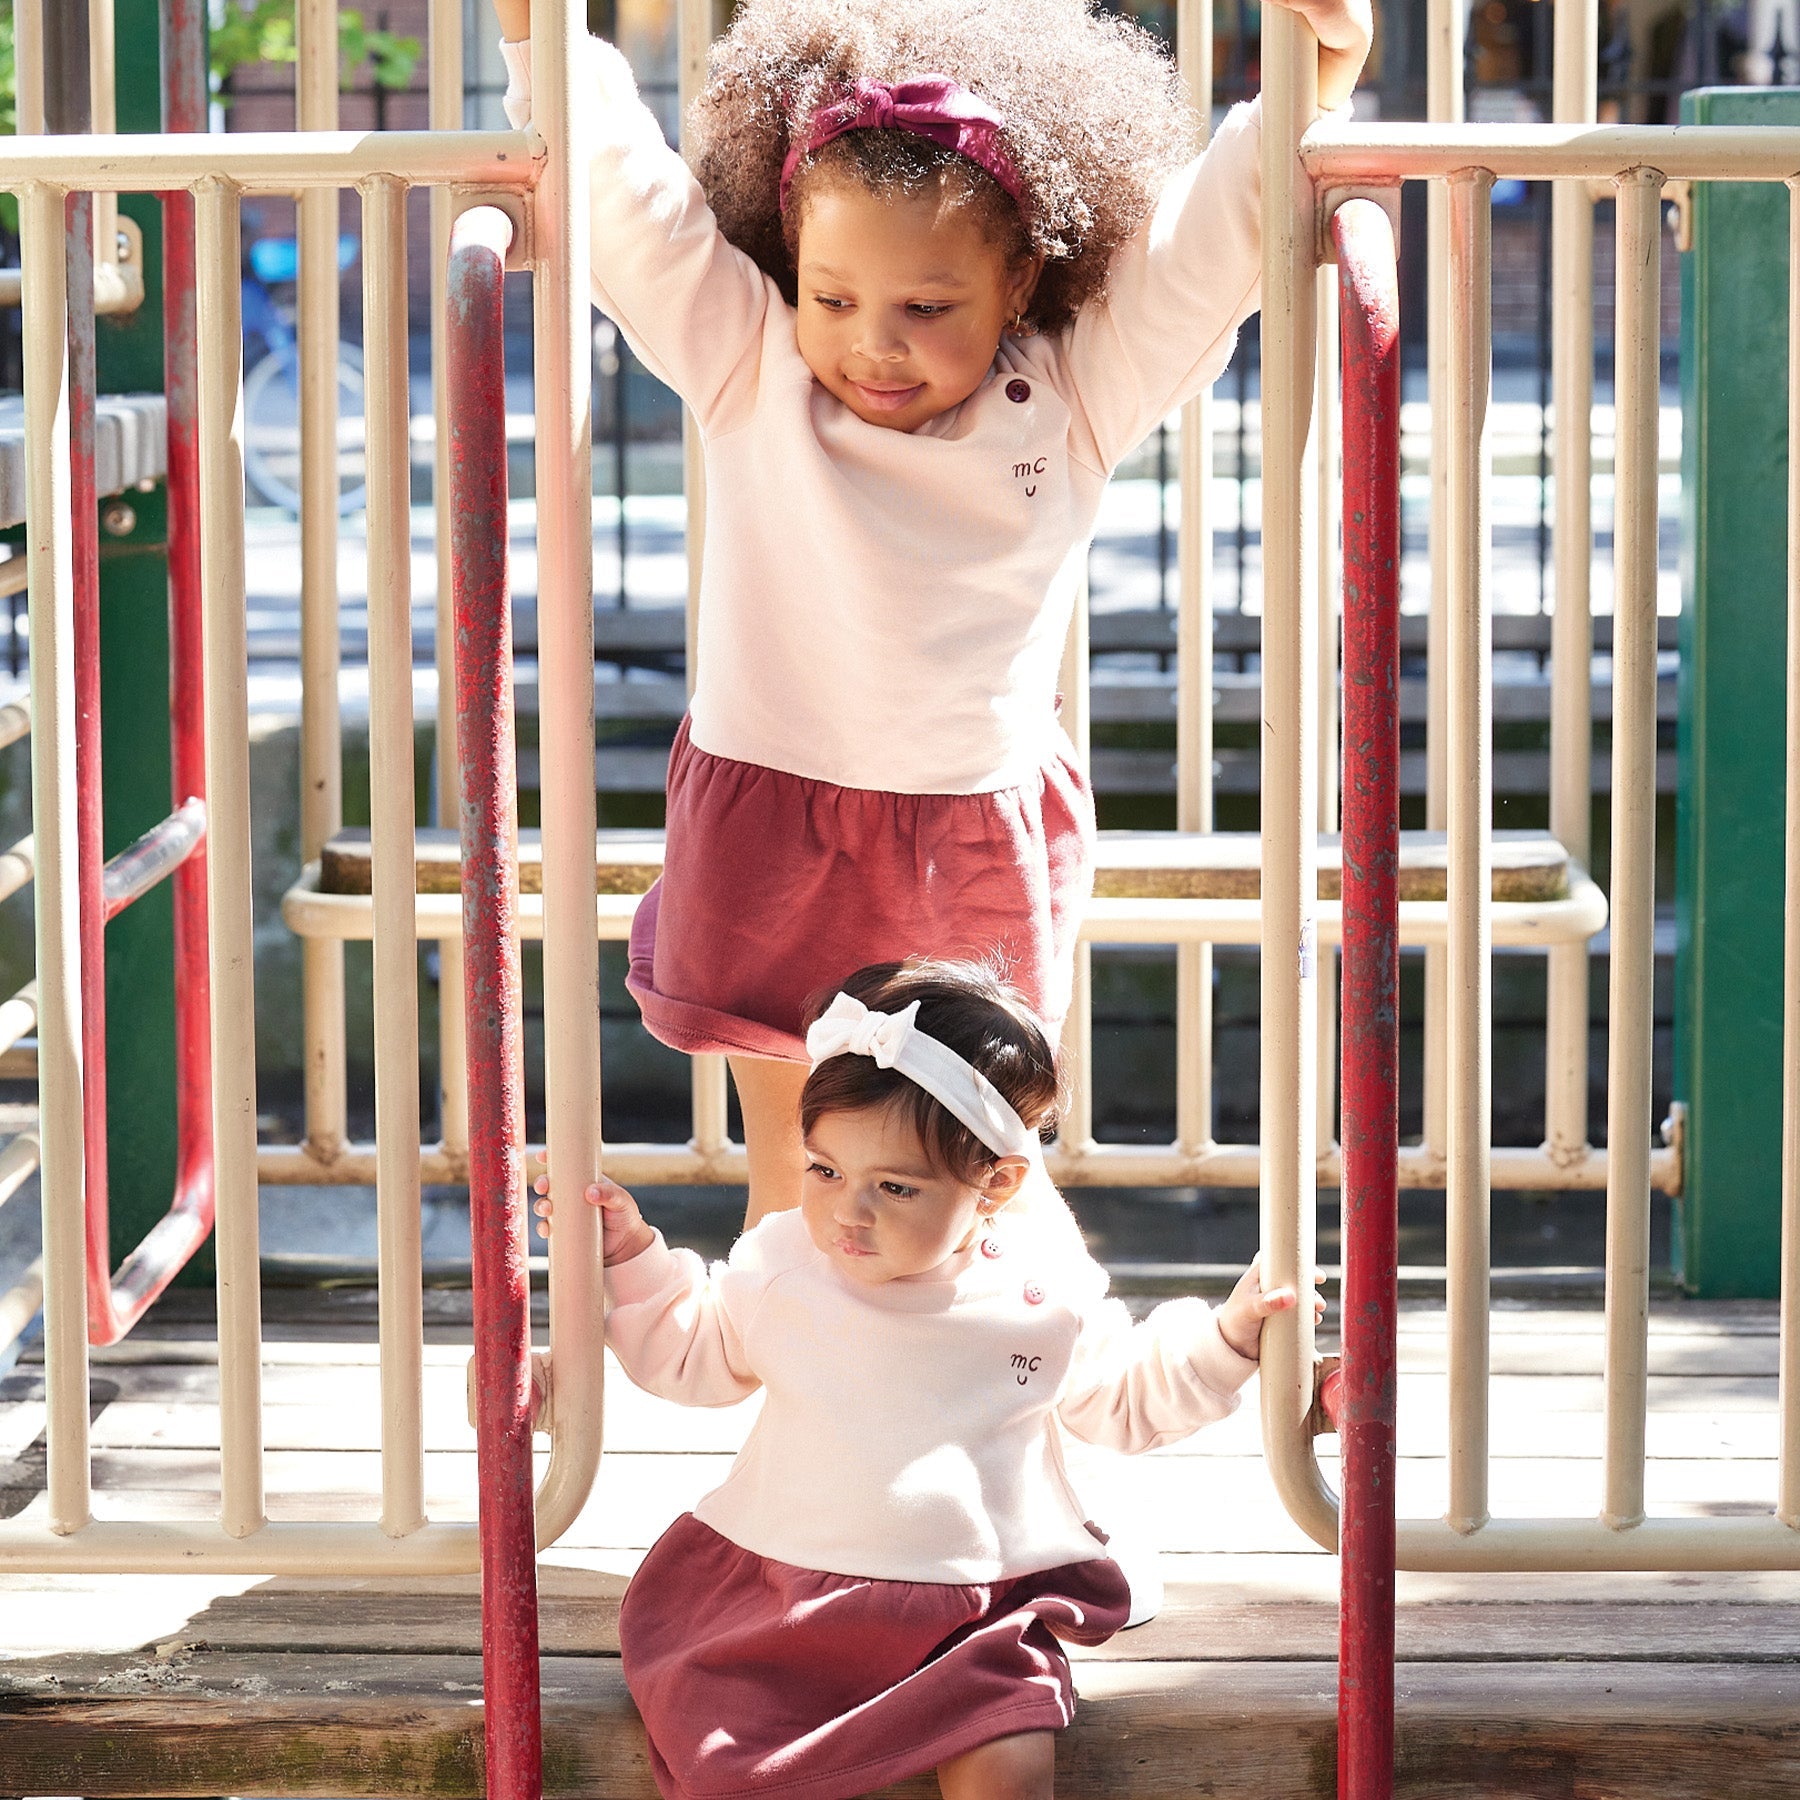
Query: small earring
[(1017, 328)]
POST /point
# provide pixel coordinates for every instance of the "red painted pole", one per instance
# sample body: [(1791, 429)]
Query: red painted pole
[(490, 890), (1370, 311)]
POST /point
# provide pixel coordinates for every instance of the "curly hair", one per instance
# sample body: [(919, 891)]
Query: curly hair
[(1096, 122)]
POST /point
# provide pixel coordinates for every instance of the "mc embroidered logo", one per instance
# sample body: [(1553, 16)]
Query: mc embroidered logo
[(1028, 472), (1025, 1366)]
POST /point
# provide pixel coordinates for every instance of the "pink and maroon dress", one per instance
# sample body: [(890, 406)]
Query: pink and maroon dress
[(887, 1577), (872, 765)]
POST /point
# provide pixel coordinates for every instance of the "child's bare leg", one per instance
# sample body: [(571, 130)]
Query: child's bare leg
[(1009, 1768), (769, 1094)]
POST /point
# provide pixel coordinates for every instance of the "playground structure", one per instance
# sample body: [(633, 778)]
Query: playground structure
[(518, 195)]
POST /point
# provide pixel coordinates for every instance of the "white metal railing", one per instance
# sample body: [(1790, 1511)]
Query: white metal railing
[(1329, 160), (544, 173), (541, 175)]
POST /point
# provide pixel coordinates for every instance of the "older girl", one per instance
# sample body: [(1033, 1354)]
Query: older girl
[(937, 267)]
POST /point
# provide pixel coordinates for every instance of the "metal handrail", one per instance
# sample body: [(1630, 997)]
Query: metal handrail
[(498, 1222), (1365, 1415)]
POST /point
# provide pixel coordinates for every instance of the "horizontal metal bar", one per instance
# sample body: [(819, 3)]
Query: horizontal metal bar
[(154, 857), (272, 162), (1343, 154), (156, 1546), (18, 866), (19, 1305), (1511, 1544), (1102, 1165), (18, 1163), (348, 917), (18, 1016)]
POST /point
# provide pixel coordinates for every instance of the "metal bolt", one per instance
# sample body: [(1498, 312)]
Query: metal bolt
[(122, 252), (118, 518)]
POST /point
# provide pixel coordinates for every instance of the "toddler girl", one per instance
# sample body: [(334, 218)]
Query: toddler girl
[(938, 266), (879, 1586)]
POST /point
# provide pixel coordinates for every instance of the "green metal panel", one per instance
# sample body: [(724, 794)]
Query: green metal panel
[(1729, 875), (134, 679)]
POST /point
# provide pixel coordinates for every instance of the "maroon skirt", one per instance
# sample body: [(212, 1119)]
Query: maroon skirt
[(776, 887), (757, 1678)]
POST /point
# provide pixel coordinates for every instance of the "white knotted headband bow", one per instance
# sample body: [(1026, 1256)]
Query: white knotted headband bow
[(894, 1041)]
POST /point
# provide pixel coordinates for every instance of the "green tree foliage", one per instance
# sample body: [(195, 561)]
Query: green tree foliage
[(254, 31), (263, 31), (250, 31)]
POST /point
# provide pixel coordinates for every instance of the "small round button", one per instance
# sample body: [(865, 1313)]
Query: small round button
[(1018, 392), (990, 1247), (1034, 1295)]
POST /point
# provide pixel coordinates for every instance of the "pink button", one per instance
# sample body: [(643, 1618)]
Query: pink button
[(1034, 1295), (990, 1247)]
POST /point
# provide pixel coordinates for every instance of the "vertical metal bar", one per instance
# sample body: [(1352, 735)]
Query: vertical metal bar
[(693, 36), (321, 749), (1076, 1132), (1371, 1034), (53, 805), (694, 32), (393, 866), (103, 118), (563, 360), (1290, 805), (445, 48), (1787, 1503), (90, 812), (185, 97), (1572, 633), (1469, 796), (1322, 462), (28, 65), (229, 898), (1445, 20), (67, 77), (1636, 384), (476, 349), (1194, 664)]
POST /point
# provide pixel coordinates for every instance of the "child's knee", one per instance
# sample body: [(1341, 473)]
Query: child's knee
[(1022, 1767)]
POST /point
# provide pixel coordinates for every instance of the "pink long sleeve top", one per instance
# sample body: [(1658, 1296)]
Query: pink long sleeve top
[(910, 1430), (881, 609)]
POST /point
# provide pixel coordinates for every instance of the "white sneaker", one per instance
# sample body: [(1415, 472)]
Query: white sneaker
[(1140, 1562)]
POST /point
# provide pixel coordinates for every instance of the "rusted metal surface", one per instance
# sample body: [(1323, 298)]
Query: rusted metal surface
[(1370, 314), (497, 1208)]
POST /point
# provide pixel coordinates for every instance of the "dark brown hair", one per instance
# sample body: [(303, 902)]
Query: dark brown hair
[(1096, 122), (966, 1006)]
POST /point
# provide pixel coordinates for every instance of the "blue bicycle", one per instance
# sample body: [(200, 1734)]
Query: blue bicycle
[(272, 384)]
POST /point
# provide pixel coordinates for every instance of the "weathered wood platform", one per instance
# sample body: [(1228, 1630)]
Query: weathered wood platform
[(1129, 865), (1525, 1685)]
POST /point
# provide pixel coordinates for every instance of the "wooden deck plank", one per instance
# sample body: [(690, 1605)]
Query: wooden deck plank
[(302, 1727), (1220, 865), (1195, 1625), (53, 1615)]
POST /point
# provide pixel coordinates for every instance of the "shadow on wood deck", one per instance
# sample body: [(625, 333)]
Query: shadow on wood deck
[(1552, 1687)]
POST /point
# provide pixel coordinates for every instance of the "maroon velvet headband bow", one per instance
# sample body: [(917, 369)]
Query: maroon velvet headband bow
[(929, 106)]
